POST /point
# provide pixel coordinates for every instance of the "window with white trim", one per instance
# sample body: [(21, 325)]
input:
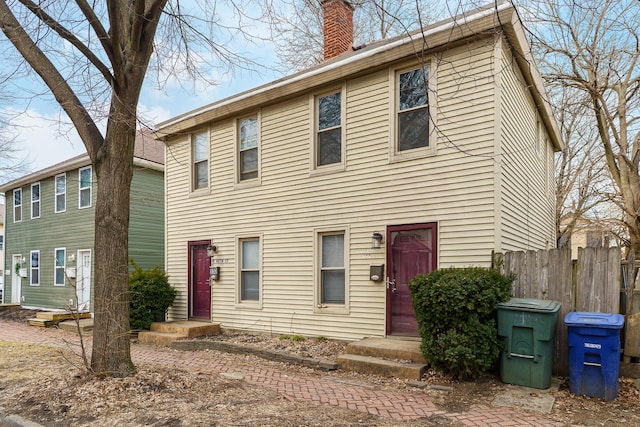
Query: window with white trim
[(60, 256), (61, 192), (35, 200), (1, 242), (250, 269), (84, 187), (34, 266), (412, 132), (332, 275), (17, 205), (248, 141), (200, 153), (329, 130)]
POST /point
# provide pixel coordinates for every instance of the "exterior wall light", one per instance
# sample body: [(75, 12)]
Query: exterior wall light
[(211, 250), (376, 240)]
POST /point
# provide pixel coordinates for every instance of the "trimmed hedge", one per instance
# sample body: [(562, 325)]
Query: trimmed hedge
[(150, 295), (456, 314)]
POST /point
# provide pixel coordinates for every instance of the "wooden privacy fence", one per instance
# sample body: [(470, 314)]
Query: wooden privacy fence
[(592, 283)]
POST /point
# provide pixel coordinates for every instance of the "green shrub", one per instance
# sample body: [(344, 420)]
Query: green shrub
[(150, 296), (456, 313)]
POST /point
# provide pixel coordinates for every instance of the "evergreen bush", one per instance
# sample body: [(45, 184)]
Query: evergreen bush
[(456, 314), (150, 295)]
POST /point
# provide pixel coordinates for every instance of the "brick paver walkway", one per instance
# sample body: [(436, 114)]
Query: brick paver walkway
[(401, 405)]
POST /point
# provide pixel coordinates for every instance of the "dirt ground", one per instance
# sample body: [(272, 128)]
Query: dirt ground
[(48, 386)]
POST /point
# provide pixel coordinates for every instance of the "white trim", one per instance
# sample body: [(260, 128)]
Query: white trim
[(192, 161), (251, 304), (318, 306), (39, 201), (31, 268), (90, 188), (250, 182), (314, 110), (13, 194), (56, 194), (56, 266)]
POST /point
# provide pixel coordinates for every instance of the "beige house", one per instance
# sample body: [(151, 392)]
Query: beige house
[(306, 205)]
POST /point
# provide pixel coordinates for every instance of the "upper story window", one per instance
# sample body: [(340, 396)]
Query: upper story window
[(84, 187), (250, 269), (61, 193), (413, 122), (248, 139), (328, 141), (35, 268), (200, 153), (35, 200), (1, 242), (60, 260), (17, 205)]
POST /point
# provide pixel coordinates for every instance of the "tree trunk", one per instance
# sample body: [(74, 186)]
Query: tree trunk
[(114, 169)]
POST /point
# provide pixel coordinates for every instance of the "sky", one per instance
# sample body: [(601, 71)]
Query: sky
[(37, 127)]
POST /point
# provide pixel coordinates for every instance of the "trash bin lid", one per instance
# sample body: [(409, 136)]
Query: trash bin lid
[(600, 320), (526, 304)]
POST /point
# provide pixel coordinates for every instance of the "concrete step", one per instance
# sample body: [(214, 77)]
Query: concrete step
[(41, 323), (388, 348), (165, 333), (163, 339), (382, 367), (86, 325), (186, 328)]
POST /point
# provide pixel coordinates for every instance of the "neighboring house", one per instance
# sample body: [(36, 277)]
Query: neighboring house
[(316, 198), (1, 253), (49, 230), (589, 234)]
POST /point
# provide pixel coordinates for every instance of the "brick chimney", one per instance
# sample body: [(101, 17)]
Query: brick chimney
[(338, 27)]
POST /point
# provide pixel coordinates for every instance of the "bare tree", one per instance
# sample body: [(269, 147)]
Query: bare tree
[(581, 174), (299, 25), (93, 58), (12, 159), (593, 47)]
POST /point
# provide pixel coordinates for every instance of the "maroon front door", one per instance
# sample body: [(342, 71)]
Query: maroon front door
[(199, 288), (411, 250)]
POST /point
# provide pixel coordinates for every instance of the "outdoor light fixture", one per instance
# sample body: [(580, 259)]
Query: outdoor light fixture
[(376, 239), (211, 250), (71, 257)]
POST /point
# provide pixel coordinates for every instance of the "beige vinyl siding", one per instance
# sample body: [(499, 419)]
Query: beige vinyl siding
[(527, 200), (453, 188)]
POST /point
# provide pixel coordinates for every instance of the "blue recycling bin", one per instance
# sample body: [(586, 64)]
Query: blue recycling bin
[(594, 353)]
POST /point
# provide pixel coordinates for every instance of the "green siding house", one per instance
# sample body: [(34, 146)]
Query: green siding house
[(49, 228)]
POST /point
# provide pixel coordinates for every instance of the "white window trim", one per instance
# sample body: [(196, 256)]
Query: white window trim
[(56, 194), (254, 305), (56, 266), (39, 200), (34, 268), (318, 307), (431, 150), (90, 187), (192, 155), (18, 206), (253, 182), (313, 108)]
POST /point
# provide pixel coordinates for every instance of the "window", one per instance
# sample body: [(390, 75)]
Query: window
[(84, 187), (328, 149), (332, 270), (61, 193), (200, 144), (59, 271), (17, 205), (35, 200), (412, 118), (1, 242), (248, 148), (250, 270), (35, 268)]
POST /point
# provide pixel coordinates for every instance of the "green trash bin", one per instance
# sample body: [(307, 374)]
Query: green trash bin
[(527, 328)]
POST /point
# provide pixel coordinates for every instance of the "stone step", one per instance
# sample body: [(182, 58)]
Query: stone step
[(86, 325), (41, 323), (382, 367), (163, 339), (186, 328), (388, 348)]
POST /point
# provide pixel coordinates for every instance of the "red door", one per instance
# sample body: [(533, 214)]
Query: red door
[(411, 250), (200, 289)]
